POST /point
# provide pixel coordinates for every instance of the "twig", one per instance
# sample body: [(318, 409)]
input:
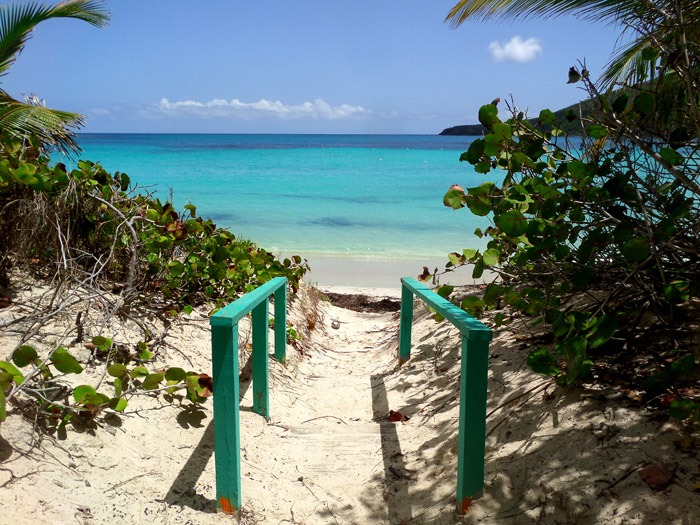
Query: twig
[(506, 418), (322, 417), (301, 480), (624, 476), (508, 401), (116, 486), (133, 263), (14, 478)]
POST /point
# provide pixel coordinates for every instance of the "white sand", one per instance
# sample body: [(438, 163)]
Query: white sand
[(377, 273), (328, 456)]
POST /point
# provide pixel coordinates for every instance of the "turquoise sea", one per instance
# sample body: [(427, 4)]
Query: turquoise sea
[(349, 196)]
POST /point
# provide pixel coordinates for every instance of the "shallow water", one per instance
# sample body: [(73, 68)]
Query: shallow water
[(350, 196)]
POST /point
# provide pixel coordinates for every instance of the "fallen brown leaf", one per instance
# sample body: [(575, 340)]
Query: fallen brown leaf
[(396, 417), (656, 477)]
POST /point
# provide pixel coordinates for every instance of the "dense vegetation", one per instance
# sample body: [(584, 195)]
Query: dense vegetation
[(111, 251), (594, 239)]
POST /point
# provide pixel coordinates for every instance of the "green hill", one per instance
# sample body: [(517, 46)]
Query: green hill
[(570, 124)]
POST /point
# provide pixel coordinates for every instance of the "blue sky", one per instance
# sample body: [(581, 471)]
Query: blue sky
[(312, 66)]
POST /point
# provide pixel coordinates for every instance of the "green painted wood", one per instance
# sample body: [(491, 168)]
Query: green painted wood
[(405, 324), (227, 446), (281, 324), (473, 384), (234, 312), (224, 343), (261, 330), (464, 322), (472, 421)]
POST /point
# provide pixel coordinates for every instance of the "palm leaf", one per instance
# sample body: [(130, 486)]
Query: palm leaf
[(18, 21), (613, 10), (627, 66), (52, 128)]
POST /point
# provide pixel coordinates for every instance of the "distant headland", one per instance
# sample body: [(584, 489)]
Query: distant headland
[(567, 119), (467, 129)]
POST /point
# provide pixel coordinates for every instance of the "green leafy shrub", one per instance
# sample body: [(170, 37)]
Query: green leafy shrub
[(594, 236), (95, 232), (129, 238)]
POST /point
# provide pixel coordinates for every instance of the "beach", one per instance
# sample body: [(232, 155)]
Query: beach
[(378, 275), (365, 198), (330, 454), (352, 437)]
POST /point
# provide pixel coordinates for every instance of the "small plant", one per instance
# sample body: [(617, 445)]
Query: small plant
[(292, 335), (57, 403)]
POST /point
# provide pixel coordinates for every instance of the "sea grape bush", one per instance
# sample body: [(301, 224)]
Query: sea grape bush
[(58, 404), (595, 235), (89, 229), (148, 245)]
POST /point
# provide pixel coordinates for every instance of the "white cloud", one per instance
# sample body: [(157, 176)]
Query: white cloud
[(515, 50), (318, 109)]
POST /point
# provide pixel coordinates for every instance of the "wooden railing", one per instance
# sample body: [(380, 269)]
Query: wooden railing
[(224, 346), (473, 383), (224, 326)]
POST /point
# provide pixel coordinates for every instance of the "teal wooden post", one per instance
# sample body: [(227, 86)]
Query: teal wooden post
[(281, 324), (261, 401), (227, 440), (472, 418), (473, 385), (224, 347), (405, 324)]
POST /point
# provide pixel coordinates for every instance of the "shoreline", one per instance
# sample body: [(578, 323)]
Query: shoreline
[(376, 275)]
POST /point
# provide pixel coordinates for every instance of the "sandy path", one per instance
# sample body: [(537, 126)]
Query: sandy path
[(328, 423), (329, 456)]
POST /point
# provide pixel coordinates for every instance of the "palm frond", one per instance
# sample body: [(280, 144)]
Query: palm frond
[(17, 21), (611, 10), (627, 66), (52, 128)]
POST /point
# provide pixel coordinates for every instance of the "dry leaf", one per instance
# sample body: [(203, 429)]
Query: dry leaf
[(425, 275), (631, 394), (395, 417), (656, 477), (207, 384)]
